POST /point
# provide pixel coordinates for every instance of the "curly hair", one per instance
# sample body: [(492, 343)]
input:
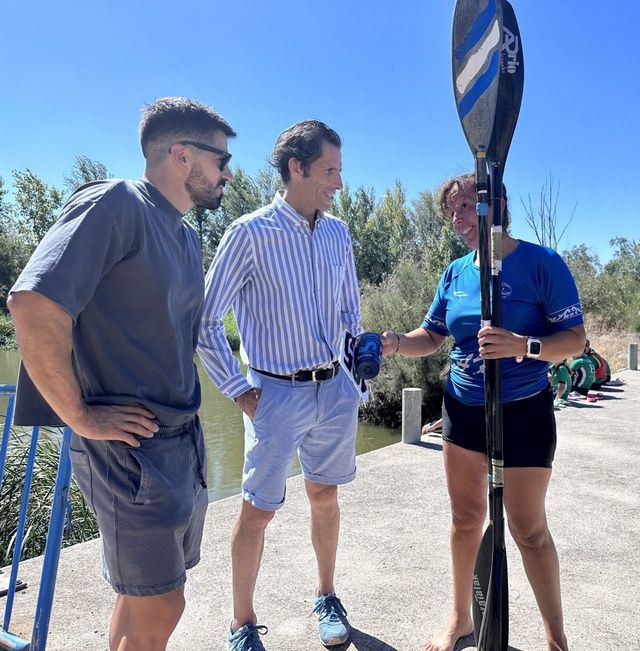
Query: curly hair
[(467, 182)]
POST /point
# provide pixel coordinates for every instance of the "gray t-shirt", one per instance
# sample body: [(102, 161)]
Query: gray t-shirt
[(127, 268)]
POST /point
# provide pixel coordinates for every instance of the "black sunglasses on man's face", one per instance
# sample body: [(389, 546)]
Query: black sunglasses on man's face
[(225, 156)]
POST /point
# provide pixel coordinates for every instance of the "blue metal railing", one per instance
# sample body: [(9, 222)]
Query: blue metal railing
[(54, 535)]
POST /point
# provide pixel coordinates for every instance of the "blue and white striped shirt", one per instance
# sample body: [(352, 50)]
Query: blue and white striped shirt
[(293, 291)]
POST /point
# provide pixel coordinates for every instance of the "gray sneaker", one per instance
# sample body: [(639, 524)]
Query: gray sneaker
[(333, 626), (247, 638)]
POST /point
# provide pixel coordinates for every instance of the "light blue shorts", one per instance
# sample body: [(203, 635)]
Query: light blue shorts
[(318, 419)]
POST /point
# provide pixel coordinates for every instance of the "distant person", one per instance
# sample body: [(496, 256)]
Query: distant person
[(542, 322), (107, 313), (288, 271), (560, 381), (583, 374), (601, 366)]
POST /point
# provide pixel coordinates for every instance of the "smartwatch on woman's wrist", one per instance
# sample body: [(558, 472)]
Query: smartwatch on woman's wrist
[(534, 347)]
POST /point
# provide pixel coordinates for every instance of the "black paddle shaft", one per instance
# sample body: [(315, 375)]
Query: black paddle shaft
[(494, 630), (509, 100), (488, 76)]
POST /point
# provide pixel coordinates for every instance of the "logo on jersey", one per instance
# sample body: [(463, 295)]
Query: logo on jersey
[(472, 364), (565, 313), (437, 322), (507, 290)]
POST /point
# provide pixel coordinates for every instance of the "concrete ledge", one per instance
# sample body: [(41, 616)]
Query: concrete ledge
[(393, 566)]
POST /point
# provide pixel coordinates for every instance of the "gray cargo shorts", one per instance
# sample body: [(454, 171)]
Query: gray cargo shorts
[(150, 504)]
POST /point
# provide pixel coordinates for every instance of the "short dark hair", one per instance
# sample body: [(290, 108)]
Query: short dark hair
[(302, 141), (467, 182), (179, 118)]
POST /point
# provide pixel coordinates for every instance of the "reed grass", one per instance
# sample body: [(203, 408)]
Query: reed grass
[(81, 524)]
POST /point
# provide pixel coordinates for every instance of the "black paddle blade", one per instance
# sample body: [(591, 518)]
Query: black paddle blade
[(481, 577), (481, 574), (510, 87), (477, 41), (494, 630)]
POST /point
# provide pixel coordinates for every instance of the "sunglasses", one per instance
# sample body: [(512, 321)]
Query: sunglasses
[(225, 156)]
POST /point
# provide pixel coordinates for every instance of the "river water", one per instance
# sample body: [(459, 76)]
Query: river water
[(223, 432)]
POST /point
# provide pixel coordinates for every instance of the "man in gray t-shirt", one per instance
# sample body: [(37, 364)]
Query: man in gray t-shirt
[(107, 314)]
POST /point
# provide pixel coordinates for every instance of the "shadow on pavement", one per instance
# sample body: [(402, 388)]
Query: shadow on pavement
[(363, 642), (585, 405), (469, 642), (428, 445)]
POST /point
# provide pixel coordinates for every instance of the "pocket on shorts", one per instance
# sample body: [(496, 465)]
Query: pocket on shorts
[(82, 473), (138, 474)]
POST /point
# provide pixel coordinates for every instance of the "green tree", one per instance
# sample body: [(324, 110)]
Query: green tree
[(241, 196), (85, 170), (4, 206), (267, 183), (436, 243), (399, 304), (36, 204), (621, 279), (356, 210), (14, 254), (586, 270), (386, 235)]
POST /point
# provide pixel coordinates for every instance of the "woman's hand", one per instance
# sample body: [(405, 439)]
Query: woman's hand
[(390, 343), (498, 343), (417, 343)]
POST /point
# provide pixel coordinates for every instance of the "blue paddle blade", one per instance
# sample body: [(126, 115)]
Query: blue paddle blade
[(510, 87), (476, 46)]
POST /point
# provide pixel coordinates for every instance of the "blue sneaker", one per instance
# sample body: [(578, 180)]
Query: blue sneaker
[(333, 626), (246, 638)]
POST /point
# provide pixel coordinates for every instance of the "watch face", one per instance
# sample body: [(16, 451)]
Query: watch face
[(534, 347)]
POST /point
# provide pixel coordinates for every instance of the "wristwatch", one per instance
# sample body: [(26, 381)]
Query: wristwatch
[(534, 347)]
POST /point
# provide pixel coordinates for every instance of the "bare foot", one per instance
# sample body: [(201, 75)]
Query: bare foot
[(446, 639)]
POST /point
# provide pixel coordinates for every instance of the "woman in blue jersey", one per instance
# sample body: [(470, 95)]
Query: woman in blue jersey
[(542, 322)]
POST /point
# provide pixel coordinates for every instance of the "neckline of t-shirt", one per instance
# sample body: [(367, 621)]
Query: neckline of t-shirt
[(163, 203), (506, 257)]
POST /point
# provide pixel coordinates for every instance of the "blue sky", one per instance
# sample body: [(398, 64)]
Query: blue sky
[(75, 75)]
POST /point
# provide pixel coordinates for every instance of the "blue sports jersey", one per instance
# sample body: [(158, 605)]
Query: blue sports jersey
[(539, 297)]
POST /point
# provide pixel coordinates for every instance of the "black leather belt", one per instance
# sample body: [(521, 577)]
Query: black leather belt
[(307, 376)]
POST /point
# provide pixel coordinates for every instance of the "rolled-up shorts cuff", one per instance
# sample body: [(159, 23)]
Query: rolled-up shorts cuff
[(257, 503), (330, 481), (146, 591)]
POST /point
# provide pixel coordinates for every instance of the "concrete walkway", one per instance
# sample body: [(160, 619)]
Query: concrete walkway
[(393, 567)]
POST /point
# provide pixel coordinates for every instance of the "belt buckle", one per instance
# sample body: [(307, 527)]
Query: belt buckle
[(313, 375)]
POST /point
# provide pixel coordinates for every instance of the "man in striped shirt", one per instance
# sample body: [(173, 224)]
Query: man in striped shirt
[(287, 270)]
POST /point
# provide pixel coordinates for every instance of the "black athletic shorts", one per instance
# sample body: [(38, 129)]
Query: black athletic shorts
[(529, 427)]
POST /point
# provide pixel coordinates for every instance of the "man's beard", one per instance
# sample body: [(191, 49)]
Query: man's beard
[(202, 192)]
